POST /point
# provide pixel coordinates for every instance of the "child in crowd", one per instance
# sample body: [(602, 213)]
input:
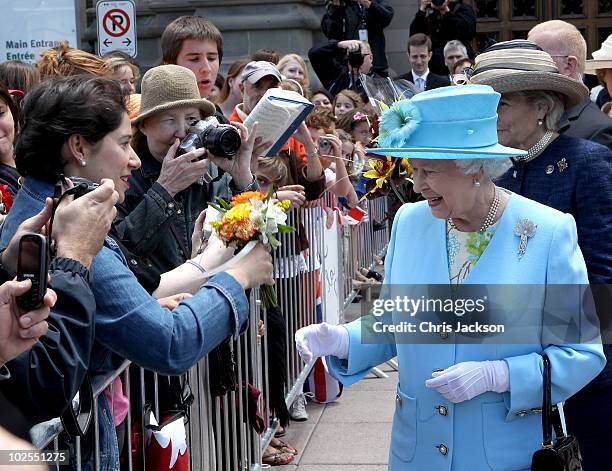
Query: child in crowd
[(292, 66), (359, 125), (345, 102)]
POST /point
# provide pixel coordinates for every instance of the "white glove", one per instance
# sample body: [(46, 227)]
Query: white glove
[(463, 381), (215, 254), (318, 340)]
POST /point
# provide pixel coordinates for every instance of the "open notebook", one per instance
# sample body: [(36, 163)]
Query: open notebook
[(278, 114)]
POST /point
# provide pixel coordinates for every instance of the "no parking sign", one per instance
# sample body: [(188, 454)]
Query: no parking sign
[(116, 26)]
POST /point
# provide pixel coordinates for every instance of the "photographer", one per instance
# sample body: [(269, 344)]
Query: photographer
[(55, 366), (168, 193), (443, 21), (364, 20), (338, 64)]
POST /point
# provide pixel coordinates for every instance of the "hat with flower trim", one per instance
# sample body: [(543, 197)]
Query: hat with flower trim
[(457, 122)]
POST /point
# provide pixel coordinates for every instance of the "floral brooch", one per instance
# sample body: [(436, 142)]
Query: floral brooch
[(525, 229)]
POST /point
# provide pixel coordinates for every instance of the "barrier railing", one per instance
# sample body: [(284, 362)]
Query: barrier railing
[(314, 266)]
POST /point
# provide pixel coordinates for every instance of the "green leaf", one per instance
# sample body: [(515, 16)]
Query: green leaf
[(270, 192), (217, 207), (223, 203), (285, 229)]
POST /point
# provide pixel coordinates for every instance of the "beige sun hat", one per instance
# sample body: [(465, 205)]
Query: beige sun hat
[(602, 58), (166, 87), (520, 65)]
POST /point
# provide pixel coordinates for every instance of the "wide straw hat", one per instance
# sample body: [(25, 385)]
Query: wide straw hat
[(602, 58), (520, 65), (458, 122), (167, 87)]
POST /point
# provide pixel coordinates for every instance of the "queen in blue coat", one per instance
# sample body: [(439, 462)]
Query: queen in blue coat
[(465, 405)]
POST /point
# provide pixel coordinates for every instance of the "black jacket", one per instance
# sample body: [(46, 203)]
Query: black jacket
[(459, 23), (331, 66), (155, 226), (586, 121), (433, 80), (344, 22), (45, 378)]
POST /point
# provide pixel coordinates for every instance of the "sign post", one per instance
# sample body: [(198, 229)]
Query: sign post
[(116, 22)]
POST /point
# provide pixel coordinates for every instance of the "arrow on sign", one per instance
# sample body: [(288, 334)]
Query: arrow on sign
[(126, 41), (107, 42)]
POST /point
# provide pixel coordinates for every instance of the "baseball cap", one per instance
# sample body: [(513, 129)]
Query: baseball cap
[(254, 71)]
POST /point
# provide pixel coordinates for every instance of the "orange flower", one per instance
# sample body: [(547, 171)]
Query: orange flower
[(226, 231), (245, 230), (246, 196)]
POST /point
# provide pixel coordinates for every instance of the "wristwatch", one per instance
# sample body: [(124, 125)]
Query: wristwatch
[(253, 186)]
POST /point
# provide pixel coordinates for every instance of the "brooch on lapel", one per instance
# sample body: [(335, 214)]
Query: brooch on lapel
[(562, 164), (525, 229)]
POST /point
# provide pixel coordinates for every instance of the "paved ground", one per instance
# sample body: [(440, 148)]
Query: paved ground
[(351, 434)]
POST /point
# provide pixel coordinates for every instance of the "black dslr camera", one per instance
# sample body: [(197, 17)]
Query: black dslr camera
[(222, 140), (355, 59), (82, 186), (437, 3)]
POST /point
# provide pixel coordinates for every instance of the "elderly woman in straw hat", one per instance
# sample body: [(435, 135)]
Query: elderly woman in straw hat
[(601, 65), (571, 175), (461, 406), (168, 192)]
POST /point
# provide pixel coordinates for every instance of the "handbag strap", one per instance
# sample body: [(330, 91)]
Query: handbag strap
[(76, 425), (551, 417)]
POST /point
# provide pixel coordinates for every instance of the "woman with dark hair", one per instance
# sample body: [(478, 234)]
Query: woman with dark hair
[(18, 75), (9, 125), (78, 126)]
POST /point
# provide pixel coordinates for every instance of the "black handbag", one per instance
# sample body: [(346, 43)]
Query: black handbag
[(564, 453)]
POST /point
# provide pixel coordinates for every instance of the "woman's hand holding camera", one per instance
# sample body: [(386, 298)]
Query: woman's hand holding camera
[(178, 173), (240, 166), (19, 331), (79, 226)]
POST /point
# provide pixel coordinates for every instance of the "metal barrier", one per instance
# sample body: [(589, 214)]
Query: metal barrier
[(220, 433)]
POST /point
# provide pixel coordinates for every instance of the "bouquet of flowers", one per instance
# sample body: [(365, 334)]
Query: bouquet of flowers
[(248, 218)]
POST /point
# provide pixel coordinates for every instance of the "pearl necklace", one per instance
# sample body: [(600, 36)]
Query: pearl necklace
[(537, 148), (490, 218)]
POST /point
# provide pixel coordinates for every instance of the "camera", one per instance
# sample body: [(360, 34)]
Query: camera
[(82, 186), (355, 59), (222, 140), (325, 146), (437, 3)]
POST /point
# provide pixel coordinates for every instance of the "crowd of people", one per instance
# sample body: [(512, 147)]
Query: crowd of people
[(130, 259)]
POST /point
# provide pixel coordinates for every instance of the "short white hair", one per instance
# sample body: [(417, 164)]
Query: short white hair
[(454, 44), (492, 168)]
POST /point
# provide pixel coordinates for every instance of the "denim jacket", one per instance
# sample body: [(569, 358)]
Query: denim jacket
[(131, 324)]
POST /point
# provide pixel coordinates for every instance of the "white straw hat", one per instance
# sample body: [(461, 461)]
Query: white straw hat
[(602, 58)]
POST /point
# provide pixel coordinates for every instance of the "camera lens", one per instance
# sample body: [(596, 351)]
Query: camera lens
[(223, 141), (437, 3)]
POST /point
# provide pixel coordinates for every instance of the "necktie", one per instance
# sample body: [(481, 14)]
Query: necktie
[(421, 84)]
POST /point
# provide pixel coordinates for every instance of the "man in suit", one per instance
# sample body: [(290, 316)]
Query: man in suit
[(419, 54), (568, 49)]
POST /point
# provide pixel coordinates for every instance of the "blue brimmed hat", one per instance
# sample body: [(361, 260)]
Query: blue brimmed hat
[(455, 122)]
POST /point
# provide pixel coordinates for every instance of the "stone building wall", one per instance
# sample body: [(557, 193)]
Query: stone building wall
[(247, 25)]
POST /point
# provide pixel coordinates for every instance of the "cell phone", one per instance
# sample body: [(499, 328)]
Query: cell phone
[(33, 264), (325, 146)]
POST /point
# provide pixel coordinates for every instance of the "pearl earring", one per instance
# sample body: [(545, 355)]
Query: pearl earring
[(476, 184), (540, 122), (83, 163)]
